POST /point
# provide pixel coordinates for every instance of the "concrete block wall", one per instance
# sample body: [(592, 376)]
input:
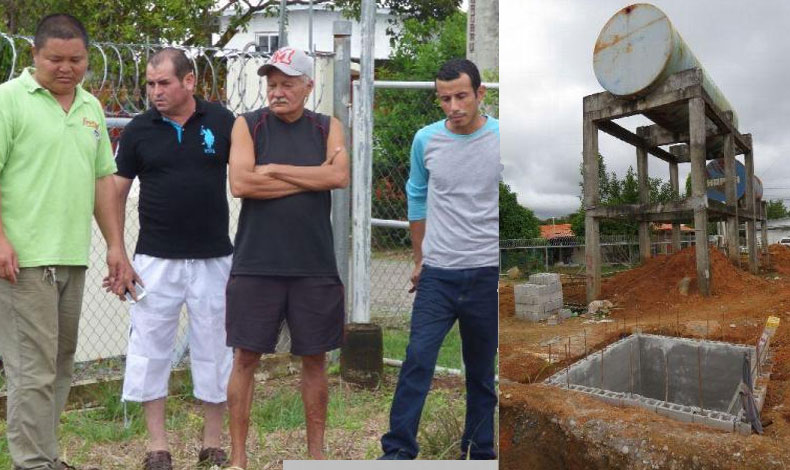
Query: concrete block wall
[(539, 298)]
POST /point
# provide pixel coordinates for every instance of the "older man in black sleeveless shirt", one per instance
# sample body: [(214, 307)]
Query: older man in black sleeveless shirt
[(284, 160)]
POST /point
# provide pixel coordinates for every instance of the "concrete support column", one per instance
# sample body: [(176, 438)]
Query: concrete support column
[(675, 184), (751, 232), (592, 242), (644, 198), (764, 232), (733, 243), (698, 189)]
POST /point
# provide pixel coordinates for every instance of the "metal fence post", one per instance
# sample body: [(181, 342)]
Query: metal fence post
[(362, 179), (341, 198), (282, 33), (362, 356)]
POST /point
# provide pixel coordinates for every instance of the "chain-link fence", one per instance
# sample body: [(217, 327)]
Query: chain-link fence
[(398, 115), (567, 253), (401, 109), (116, 76)]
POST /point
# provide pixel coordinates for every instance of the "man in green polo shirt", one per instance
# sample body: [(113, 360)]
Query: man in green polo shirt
[(56, 168)]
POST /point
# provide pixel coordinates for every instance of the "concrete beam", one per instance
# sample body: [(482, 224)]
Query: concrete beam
[(629, 137)]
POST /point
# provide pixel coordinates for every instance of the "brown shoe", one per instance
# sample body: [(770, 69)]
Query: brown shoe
[(211, 456), (158, 460)]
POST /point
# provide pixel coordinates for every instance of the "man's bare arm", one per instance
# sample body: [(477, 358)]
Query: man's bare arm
[(245, 182), (123, 185), (334, 173), (120, 273)]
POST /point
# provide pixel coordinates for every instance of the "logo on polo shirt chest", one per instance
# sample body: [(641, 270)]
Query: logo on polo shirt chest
[(93, 125), (208, 140)]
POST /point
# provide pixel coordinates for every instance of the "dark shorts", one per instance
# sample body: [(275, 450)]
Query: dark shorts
[(313, 307)]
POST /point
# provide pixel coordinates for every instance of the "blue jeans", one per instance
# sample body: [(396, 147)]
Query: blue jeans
[(444, 295)]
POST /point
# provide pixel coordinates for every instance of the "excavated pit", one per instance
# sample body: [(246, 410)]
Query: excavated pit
[(684, 379)]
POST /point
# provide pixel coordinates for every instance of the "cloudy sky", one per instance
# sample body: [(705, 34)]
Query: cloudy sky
[(546, 68)]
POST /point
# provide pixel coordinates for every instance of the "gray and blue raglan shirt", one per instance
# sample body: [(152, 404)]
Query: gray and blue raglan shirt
[(454, 185)]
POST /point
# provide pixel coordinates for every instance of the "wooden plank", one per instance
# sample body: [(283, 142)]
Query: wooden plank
[(698, 187)]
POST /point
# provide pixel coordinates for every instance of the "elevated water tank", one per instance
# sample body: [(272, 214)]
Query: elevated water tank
[(637, 50)]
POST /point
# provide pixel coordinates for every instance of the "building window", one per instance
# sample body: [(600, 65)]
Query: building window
[(267, 42)]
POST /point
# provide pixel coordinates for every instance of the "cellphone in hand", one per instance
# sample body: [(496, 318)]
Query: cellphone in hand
[(139, 290)]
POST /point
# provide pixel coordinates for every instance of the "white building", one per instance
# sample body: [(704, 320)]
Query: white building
[(777, 230), (263, 31)]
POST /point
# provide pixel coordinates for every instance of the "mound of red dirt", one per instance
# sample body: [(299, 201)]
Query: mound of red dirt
[(507, 301), (659, 278), (780, 258)]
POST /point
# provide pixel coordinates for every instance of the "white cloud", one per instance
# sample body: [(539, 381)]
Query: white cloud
[(546, 69)]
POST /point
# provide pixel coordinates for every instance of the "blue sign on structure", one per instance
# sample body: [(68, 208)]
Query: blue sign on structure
[(715, 171)]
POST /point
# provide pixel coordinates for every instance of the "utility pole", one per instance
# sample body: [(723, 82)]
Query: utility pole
[(482, 35)]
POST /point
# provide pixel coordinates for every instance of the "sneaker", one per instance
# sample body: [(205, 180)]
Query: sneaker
[(158, 460), (212, 456)]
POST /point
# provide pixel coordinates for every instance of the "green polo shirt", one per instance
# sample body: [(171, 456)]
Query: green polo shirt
[(49, 163)]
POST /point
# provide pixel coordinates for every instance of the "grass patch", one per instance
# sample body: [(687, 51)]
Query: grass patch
[(395, 342), (357, 418), (348, 409), (5, 457)]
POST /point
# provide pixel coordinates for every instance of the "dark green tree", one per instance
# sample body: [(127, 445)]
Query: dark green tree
[(775, 209), (125, 21), (615, 191), (515, 220), (399, 114)]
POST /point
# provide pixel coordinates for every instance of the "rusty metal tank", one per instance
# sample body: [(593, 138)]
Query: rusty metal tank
[(637, 50)]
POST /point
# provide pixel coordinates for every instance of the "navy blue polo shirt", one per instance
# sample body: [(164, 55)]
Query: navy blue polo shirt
[(183, 204)]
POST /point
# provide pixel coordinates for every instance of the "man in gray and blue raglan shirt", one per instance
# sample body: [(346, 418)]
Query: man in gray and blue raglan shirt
[(453, 196)]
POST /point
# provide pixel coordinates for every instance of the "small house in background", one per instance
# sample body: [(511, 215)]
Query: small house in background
[(663, 237), (570, 251), (778, 229)]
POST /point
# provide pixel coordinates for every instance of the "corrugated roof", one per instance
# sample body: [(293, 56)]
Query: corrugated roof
[(556, 231)]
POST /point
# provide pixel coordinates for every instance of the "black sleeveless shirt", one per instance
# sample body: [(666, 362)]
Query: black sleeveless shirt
[(291, 235)]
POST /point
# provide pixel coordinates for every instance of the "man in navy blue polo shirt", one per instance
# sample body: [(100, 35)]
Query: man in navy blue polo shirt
[(179, 150)]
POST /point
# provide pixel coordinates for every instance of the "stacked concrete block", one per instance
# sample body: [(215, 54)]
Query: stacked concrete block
[(540, 298)]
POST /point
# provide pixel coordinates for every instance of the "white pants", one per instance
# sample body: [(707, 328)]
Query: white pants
[(170, 283)]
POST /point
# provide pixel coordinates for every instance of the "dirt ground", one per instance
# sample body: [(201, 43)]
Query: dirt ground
[(545, 427)]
